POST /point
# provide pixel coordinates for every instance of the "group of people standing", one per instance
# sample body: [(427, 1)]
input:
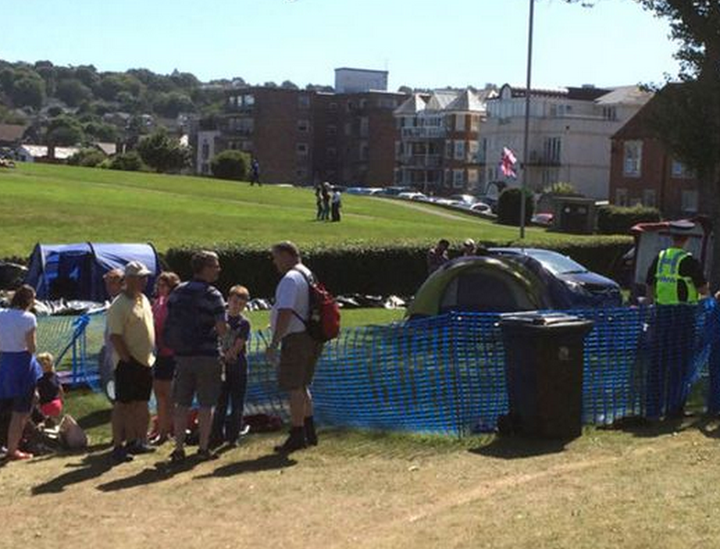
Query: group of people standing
[(329, 202), (438, 255)]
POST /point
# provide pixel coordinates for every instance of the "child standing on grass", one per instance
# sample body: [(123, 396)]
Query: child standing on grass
[(229, 428), (49, 388)]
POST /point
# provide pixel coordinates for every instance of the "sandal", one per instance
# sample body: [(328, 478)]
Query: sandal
[(19, 455)]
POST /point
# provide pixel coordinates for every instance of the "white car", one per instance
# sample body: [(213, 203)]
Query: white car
[(481, 207), (412, 196)]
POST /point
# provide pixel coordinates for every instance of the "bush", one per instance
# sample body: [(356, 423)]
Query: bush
[(373, 270), (129, 162), (619, 220), (509, 206), (88, 158), (230, 164), (163, 152)]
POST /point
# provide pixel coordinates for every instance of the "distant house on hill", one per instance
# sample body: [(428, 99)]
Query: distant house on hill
[(42, 153), (108, 149), (11, 135)]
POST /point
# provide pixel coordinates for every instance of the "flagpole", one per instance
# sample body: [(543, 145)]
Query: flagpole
[(526, 136)]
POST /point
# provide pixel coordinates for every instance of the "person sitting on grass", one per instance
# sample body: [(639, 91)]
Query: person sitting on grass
[(234, 351), (50, 390)]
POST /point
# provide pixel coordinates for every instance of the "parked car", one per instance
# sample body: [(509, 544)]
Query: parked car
[(545, 219), (412, 196), (394, 191), (481, 207), (466, 198), (569, 283)]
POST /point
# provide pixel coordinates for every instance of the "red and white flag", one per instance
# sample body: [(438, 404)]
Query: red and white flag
[(507, 163)]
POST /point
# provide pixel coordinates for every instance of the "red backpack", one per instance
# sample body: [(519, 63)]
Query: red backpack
[(323, 323)]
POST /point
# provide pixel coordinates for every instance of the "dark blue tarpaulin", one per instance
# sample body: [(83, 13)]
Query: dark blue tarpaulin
[(75, 271)]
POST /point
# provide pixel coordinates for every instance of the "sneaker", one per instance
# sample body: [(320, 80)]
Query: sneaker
[(120, 455), (296, 441), (310, 433), (245, 431), (19, 455), (139, 448), (159, 440), (207, 455), (178, 456)]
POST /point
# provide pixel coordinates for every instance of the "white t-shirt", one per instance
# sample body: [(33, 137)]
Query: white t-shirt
[(14, 326), (292, 293)]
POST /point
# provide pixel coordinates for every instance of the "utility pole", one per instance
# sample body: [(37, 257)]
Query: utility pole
[(526, 136)]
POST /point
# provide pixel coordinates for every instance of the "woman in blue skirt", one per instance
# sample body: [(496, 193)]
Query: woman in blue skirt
[(19, 371)]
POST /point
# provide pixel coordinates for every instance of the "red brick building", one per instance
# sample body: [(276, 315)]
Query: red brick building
[(304, 137), (643, 171)]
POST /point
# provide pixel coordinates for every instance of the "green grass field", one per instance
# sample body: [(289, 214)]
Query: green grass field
[(62, 204)]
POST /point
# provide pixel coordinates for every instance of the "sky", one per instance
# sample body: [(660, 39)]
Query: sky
[(423, 43)]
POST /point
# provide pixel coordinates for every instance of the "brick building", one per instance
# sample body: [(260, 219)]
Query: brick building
[(304, 137), (642, 170), (438, 140)]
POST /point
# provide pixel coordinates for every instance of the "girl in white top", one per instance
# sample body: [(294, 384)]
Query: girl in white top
[(19, 371)]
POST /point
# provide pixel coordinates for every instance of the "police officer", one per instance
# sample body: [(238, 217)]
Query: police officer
[(674, 279)]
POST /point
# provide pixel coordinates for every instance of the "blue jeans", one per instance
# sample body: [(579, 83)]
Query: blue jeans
[(227, 426)]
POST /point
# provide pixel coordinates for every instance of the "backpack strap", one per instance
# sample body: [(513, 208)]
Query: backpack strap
[(310, 280)]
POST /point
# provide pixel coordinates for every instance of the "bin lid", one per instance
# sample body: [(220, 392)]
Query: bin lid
[(543, 319)]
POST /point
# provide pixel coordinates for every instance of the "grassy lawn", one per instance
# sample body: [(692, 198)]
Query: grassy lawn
[(62, 204), (646, 487), (350, 317)]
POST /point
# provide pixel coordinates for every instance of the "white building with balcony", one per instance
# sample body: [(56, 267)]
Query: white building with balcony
[(437, 140), (570, 131)]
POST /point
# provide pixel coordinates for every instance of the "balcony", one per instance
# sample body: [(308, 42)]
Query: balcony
[(420, 160), (539, 158), (431, 132)]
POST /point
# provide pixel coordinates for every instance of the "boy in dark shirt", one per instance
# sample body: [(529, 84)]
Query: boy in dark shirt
[(228, 428), (49, 388)]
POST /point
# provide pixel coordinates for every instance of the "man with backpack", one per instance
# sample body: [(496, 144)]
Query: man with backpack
[(196, 319), (303, 317)]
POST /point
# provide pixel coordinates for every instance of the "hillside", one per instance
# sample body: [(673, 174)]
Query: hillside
[(55, 204)]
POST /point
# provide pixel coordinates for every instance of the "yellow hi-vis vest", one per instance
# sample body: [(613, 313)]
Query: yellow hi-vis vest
[(667, 277)]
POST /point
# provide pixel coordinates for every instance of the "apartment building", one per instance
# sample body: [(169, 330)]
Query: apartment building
[(438, 134), (303, 137), (643, 171), (570, 131)]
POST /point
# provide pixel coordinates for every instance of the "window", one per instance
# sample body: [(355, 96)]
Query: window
[(609, 113), (331, 129), (458, 178), (348, 128), (621, 197), (474, 151), (472, 177), (364, 126), (632, 158), (248, 100), (362, 103), (681, 171), (349, 106), (474, 123), (301, 149), (689, 201), (247, 145), (205, 151), (303, 126), (304, 101), (205, 168), (459, 150), (232, 101), (364, 150), (649, 198), (460, 122), (448, 148), (301, 173)]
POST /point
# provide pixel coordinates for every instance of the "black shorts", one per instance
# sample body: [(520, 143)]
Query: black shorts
[(164, 368), (133, 382)]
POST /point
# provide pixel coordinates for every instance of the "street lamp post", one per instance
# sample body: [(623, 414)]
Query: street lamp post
[(526, 136)]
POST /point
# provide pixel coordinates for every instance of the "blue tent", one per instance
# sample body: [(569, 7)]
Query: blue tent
[(75, 271)]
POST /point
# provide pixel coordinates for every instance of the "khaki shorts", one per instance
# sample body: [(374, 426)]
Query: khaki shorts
[(298, 356), (201, 375)]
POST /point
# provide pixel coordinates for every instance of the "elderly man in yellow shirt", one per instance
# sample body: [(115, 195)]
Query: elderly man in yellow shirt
[(132, 334)]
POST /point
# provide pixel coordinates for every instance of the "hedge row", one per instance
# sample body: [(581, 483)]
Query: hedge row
[(619, 220), (390, 270)]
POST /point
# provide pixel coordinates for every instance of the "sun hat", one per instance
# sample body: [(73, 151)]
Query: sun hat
[(135, 268)]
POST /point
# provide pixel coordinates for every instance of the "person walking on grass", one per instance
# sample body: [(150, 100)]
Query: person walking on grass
[(229, 428), (132, 335), (292, 348), (196, 319), (19, 371), (325, 196), (164, 369)]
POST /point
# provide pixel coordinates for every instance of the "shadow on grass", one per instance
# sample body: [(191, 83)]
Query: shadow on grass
[(268, 462), (516, 447), (151, 475), (92, 466), (645, 428), (95, 419)]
